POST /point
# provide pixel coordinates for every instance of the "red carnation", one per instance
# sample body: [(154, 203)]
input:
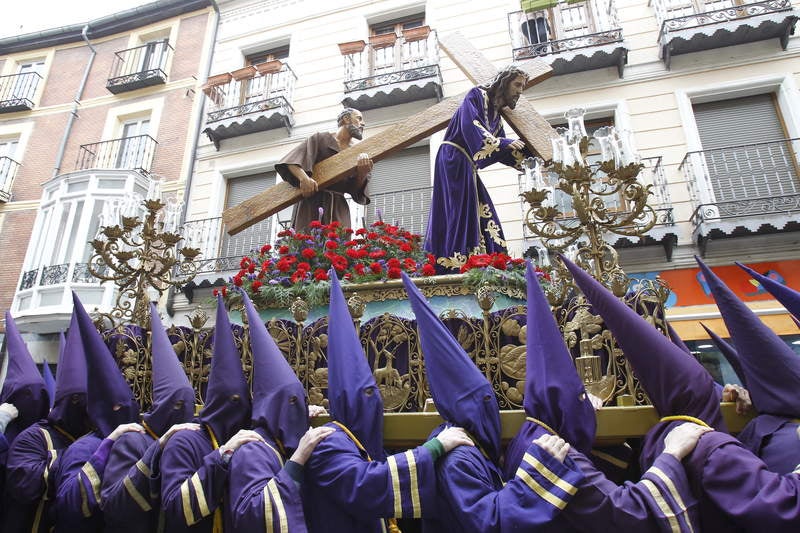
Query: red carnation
[(394, 273), (359, 268), (237, 280), (251, 268), (266, 248), (405, 247), (376, 268), (499, 263), (428, 269), (308, 253), (256, 285), (393, 262), (320, 275), (377, 254), (361, 231), (331, 245), (283, 250), (283, 266), (315, 224), (372, 235), (303, 266), (215, 293)]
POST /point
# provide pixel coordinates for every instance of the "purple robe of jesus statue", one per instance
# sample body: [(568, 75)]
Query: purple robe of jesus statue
[(344, 492), (77, 475), (462, 218), (472, 496), (131, 484), (194, 479), (263, 496)]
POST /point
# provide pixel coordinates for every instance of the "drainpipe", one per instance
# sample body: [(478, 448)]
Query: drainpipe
[(78, 95), (201, 102)]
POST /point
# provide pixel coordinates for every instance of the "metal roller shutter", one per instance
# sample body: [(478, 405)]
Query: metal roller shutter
[(239, 190)]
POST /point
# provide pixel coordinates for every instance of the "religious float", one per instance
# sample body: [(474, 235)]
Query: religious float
[(481, 303)]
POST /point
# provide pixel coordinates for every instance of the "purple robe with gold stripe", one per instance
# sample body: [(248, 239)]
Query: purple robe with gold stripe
[(775, 440), (77, 476), (29, 476), (344, 491), (473, 497), (131, 484), (194, 479), (462, 218), (661, 501), (262, 495)]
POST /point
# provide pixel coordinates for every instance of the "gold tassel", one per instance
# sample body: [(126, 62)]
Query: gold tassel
[(217, 521), (393, 525)]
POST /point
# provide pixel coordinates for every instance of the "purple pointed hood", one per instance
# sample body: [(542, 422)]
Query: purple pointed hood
[(353, 395), (109, 400), (69, 408), (462, 394), (173, 395), (675, 383), (227, 401), (771, 368), (279, 399), (729, 353), (787, 296), (23, 386), (47, 376), (554, 393)]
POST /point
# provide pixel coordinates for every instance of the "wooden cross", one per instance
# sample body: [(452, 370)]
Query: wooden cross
[(531, 127)]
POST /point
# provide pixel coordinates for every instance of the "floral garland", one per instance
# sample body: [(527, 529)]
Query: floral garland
[(298, 264)]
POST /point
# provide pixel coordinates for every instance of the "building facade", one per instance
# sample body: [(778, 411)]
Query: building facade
[(94, 118)]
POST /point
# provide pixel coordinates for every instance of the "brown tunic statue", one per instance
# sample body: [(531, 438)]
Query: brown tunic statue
[(295, 168)]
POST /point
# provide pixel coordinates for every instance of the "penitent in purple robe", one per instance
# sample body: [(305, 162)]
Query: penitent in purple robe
[(262, 495), (77, 475), (462, 217), (194, 478), (471, 495), (344, 491), (28, 476), (131, 484)]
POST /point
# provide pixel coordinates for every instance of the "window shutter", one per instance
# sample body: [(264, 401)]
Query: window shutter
[(400, 187), (739, 141), (252, 238)]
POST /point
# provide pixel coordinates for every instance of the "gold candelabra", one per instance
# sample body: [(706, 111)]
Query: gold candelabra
[(138, 255), (573, 202)]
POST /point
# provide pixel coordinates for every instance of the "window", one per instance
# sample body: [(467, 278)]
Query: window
[(395, 54), (8, 165), (238, 190), (400, 188), (546, 20), (265, 86), (133, 150), (744, 148), (27, 80)]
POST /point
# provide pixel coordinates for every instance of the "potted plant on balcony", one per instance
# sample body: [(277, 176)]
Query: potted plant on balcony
[(383, 40), (244, 73), (416, 34), (352, 47), (269, 67)]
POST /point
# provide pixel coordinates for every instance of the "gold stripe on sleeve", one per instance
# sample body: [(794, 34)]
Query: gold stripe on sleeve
[(188, 514), (202, 504), (673, 490), (662, 504), (413, 483), (283, 524), (549, 475), (143, 468), (267, 510), (391, 461), (84, 499), (534, 485), (94, 480), (136, 495)]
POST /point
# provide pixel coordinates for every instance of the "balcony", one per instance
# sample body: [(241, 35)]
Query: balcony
[(392, 69), (572, 36), (17, 91), (127, 153), (143, 66), (695, 25), (8, 169), (746, 189), (252, 99)]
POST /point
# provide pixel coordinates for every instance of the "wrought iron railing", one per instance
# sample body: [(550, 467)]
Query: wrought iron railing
[(17, 90), (250, 90), (8, 169), (56, 274), (389, 59), (675, 15), (128, 153), (565, 26), (219, 251), (745, 180), (407, 208), (28, 279), (140, 66)]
